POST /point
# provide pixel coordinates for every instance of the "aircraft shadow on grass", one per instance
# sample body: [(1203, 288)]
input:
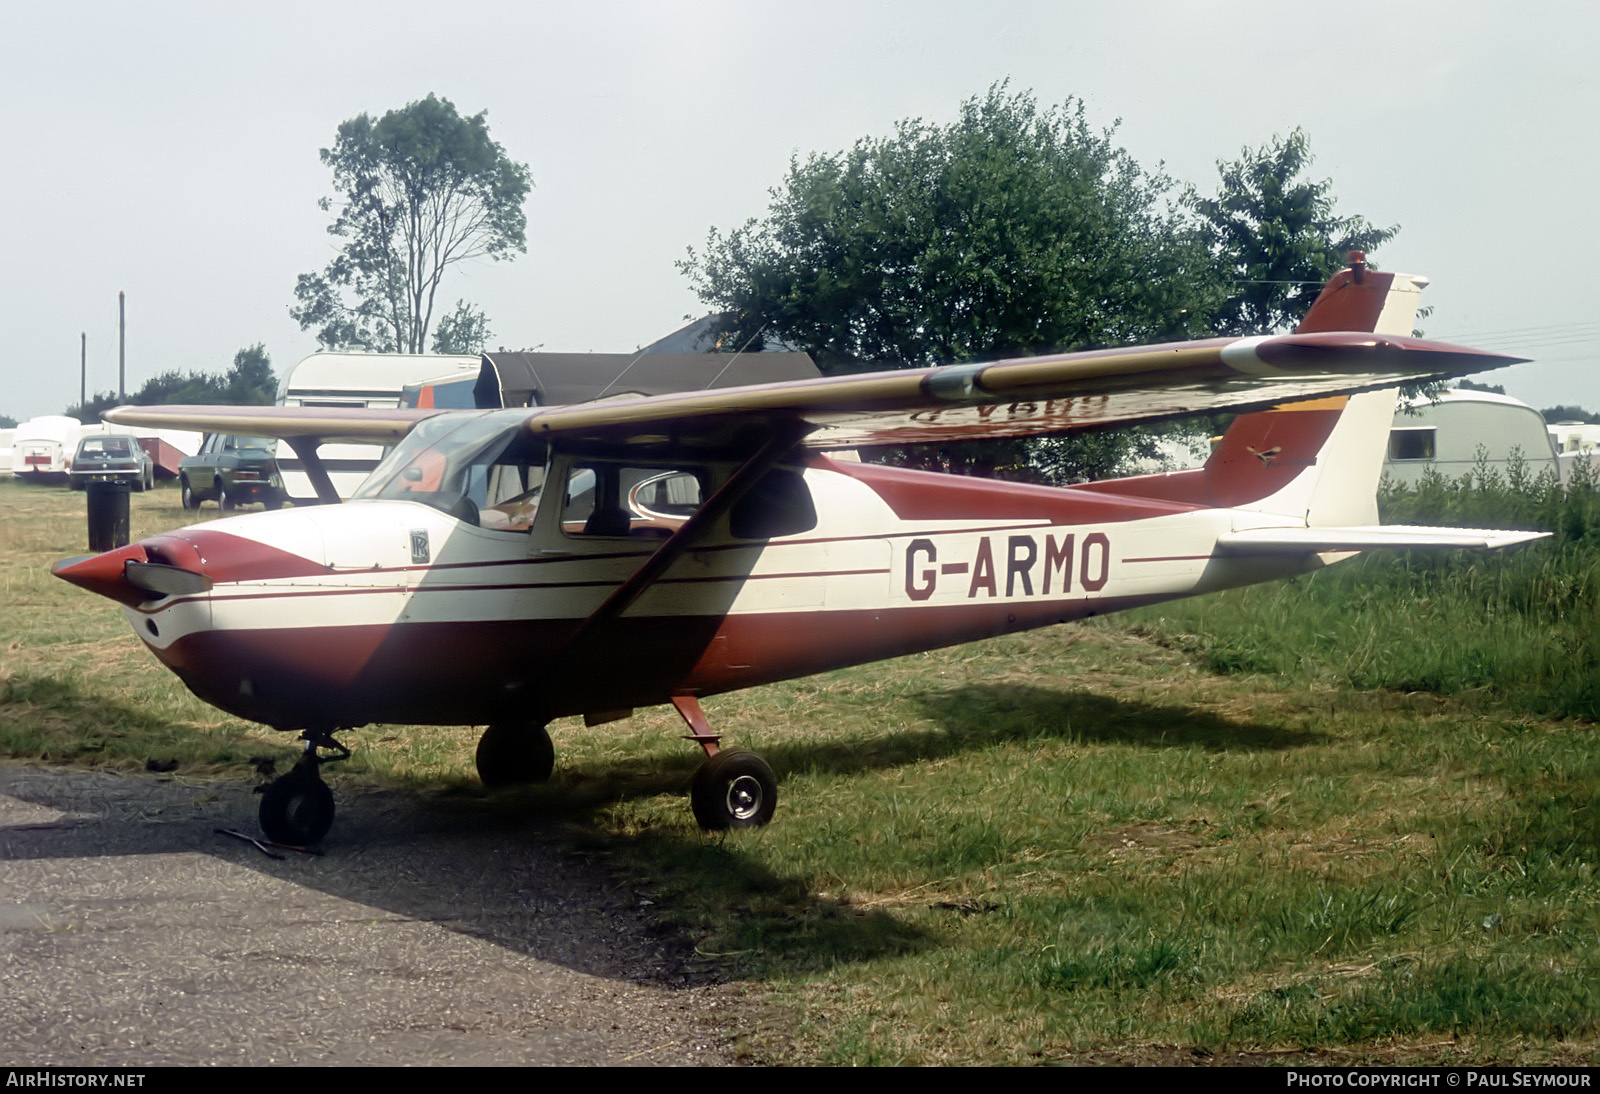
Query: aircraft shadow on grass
[(508, 868), (981, 714), (473, 862)]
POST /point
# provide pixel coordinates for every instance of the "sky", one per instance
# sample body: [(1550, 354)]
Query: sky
[(170, 150)]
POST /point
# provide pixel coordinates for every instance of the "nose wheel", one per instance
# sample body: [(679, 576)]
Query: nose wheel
[(297, 808)]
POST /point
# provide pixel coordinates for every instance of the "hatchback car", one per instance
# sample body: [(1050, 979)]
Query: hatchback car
[(232, 471), (105, 457)]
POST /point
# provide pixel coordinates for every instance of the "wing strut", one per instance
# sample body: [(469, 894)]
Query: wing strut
[(307, 448), (786, 433)]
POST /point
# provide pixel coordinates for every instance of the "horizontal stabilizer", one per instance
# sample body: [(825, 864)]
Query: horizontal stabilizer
[(1271, 541)]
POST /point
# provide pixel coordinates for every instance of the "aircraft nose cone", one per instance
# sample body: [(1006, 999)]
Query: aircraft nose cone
[(105, 574), (139, 572)]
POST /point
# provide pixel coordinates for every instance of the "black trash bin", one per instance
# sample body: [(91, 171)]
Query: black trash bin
[(108, 514)]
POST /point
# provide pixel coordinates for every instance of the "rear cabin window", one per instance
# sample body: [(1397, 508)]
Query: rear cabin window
[(608, 499)]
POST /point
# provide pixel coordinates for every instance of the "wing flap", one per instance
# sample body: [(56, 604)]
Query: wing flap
[(1271, 541)]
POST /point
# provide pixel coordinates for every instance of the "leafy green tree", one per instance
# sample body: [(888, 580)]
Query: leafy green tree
[(1275, 236), (1013, 230), (250, 380), (7, 422), (420, 190), (464, 330), (1567, 414)]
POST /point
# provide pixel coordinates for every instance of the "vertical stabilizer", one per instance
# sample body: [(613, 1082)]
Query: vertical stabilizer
[(1358, 298), (1329, 452)]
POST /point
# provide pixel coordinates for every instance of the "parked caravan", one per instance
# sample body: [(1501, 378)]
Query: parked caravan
[(42, 448), (353, 380), (1576, 443), (1451, 435), (5, 450)]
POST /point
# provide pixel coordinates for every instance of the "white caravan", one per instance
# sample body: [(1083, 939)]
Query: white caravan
[(42, 448), (1451, 436)]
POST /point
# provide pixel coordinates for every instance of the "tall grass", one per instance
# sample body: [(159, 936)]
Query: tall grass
[(1517, 624)]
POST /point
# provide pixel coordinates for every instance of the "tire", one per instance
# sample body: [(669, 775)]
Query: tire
[(274, 502), (186, 495), (224, 502), (296, 809), (734, 789), (515, 754)]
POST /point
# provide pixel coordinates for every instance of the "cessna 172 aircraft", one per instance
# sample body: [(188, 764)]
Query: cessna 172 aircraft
[(507, 567)]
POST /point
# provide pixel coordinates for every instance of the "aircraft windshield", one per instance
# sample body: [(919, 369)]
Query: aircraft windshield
[(460, 465)]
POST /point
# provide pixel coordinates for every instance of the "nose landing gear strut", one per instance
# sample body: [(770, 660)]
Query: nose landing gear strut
[(297, 808)]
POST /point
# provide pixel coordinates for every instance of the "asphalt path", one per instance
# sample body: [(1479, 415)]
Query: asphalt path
[(131, 933)]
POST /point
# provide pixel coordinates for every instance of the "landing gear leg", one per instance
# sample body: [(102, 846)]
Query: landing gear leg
[(297, 808), (734, 788)]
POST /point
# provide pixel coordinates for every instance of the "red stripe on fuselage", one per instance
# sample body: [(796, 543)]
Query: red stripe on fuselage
[(471, 673)]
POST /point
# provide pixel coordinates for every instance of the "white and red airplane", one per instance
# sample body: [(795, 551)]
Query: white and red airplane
[(508, 567)]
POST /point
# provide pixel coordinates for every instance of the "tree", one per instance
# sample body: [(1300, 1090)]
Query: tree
[(1274, 236), (1554, 414), (420, 190), (1013, 230), (250, 380), (465, 330)]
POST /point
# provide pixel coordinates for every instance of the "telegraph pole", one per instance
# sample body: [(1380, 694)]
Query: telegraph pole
[(122, 346)]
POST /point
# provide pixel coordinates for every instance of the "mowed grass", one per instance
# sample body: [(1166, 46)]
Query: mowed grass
[(1099, 843)]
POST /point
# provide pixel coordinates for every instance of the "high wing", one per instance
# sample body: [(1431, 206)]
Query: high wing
[(1035, 395), (1007, 398), (354, 425)]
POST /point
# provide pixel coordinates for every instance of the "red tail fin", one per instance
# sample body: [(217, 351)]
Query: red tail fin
[(1361, 299)]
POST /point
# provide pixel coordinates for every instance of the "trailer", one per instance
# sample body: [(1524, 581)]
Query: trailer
[(42, 447), (1462, 430)]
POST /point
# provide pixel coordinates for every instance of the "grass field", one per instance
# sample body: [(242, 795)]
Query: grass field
[(1314, 821)]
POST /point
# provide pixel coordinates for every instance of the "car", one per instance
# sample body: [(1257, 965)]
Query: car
[(232, 471), (106, 457)]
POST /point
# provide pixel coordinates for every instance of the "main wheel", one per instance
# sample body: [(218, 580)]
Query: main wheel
[(296, 809), (734, 789), (515, 754), (224, 502), (186, 494)]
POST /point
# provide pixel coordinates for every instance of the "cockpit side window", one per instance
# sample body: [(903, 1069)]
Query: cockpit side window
[(482, 469)]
